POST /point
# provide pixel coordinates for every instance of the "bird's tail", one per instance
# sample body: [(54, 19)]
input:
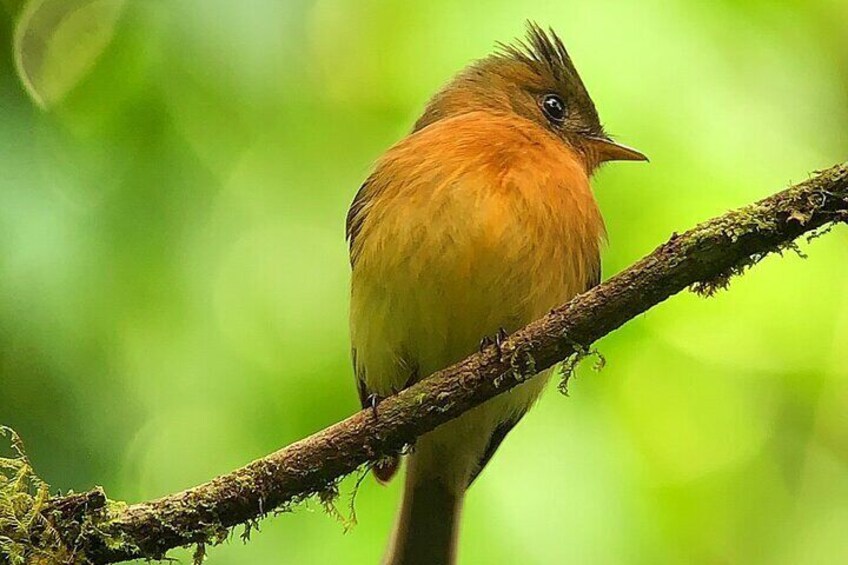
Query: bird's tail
[(426, 529)]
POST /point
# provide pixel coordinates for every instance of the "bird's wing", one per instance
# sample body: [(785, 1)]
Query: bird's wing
[(353, 224), (361, 388), (356, 216), (387, 467)]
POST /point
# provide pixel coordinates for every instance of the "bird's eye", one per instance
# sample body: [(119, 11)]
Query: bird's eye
[(554, 108)]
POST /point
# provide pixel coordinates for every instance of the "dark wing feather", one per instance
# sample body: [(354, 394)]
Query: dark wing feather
[(356, 216), (353, 224), (361, 389), (385, 468), (494, 442)]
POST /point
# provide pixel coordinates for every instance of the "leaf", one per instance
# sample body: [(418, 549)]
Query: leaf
[(58, 42)]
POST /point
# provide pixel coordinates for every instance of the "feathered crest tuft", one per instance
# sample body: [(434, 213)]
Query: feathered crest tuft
[(544, 53), (541, 49)]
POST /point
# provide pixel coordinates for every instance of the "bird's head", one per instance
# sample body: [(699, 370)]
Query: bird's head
[(535, 79)]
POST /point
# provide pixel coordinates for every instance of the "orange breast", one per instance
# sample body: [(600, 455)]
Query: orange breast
[(476, 222)]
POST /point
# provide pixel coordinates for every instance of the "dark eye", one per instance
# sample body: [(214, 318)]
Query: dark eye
[(554, 108)]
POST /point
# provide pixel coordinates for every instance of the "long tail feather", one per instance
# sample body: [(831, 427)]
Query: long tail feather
[(426, 530)]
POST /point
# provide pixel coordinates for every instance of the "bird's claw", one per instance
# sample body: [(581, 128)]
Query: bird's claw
[(497, 341), (500, 337), (373, 401), (485, 342)]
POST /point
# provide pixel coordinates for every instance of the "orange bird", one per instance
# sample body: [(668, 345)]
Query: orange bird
[(478, 222)]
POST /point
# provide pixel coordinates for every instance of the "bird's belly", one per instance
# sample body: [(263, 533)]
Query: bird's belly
[(448, 290), (423, 296)]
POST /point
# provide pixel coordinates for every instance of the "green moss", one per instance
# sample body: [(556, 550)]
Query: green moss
[(567, 368), (26, 536), (522, 364), (756, 218), (328, 497), (721, 281)]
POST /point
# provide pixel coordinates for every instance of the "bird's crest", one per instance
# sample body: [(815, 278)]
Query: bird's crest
[(542, 50)]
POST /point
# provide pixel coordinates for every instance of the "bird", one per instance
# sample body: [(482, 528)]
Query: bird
[(481, 220)]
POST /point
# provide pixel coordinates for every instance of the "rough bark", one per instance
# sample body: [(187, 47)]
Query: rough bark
[(702, 259)]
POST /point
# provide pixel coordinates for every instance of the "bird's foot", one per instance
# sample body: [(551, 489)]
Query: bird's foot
[(373, 401), (485, 343), (500, 337), (497, 341)]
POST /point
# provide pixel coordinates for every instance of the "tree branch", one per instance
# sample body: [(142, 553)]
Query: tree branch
[(702, 259)]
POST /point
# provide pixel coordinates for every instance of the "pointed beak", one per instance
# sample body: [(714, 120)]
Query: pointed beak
[(609, 150)]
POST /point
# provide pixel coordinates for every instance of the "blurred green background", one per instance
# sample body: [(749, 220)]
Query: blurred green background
[(173, 271)]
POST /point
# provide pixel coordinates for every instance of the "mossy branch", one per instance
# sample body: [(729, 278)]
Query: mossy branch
[(702, 259)]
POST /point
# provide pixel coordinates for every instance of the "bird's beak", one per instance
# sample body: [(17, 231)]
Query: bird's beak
[(609, 150)]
